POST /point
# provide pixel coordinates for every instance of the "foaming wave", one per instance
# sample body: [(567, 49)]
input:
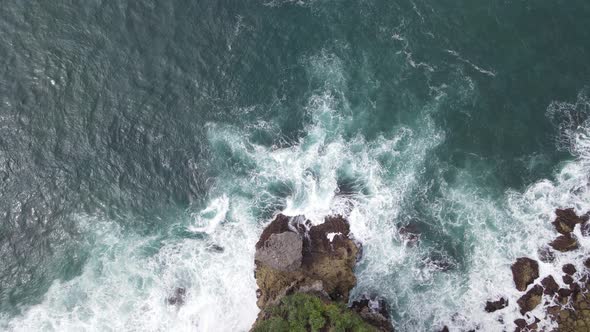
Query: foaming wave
[(127, 282)]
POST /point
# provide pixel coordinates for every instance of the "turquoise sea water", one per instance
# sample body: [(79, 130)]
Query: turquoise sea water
[(145, 144)]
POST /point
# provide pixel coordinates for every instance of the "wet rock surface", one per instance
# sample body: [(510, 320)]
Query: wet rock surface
[(565, 243), (524, 272), (492, 306), (566, 220), (531, 299), (550, 286), (373, 311), (546, 303)]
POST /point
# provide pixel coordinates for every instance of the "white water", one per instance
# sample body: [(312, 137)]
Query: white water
[(123, 287)]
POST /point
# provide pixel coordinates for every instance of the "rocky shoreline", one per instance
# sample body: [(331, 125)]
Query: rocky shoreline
[(560, 301), (304, 275)]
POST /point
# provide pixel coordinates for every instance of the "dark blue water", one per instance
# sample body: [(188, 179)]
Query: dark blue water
[(138, 138)]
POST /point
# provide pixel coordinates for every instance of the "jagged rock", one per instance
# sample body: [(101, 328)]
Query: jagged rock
[(283, 252), (564, 293), (409, 234), (524, 272), (564, 243), (178, 297), (567, 279), (298, 264), (329, 260), (520, 323), (492, 306), (373, 311), (569, 269), (550, 285), (531, 299), (566, 220)]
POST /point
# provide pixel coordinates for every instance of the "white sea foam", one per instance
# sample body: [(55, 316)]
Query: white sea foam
[(208, 219), (124, 288)]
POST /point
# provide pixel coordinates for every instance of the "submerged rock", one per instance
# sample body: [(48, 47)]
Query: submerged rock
[(178, 297), (492, 306), (546, 254), (409, 234), (524, 272)]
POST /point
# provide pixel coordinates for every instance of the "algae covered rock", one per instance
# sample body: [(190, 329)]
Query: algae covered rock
[(305, 273), (310, 254)]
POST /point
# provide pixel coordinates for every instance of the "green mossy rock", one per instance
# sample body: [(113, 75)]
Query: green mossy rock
[(305, 312)]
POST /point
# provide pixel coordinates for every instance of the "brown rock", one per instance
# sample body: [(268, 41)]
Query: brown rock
[(524, 272), (520, 323), (531, 299), (564, 292), (178, 297), (300, 258), (373, 311), (568, 279), (564, 243), (569, 269), (566, 220), (550, 285), (492, 306)]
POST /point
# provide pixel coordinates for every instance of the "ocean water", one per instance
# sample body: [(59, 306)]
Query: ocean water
[(144, 145)]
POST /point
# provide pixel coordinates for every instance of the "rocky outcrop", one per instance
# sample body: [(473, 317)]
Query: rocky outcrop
[(565, 243), (299, 264), (292, 255), (524, 272), (550, 286), (531, 299)]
